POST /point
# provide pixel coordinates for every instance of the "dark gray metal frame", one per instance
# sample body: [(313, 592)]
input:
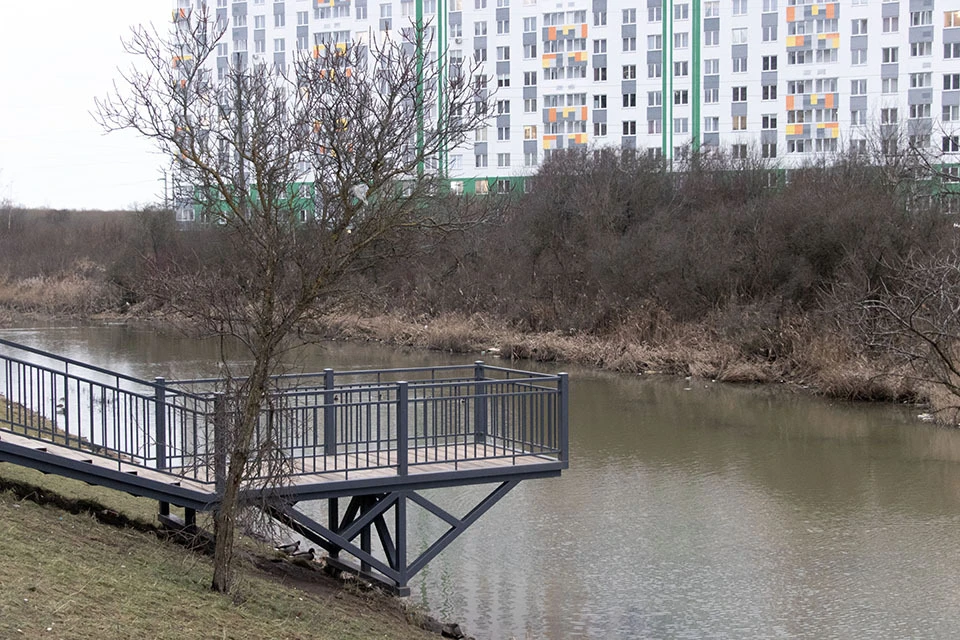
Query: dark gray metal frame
[(331, 424)]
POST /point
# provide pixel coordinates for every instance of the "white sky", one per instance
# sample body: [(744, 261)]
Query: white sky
[(56, 56)]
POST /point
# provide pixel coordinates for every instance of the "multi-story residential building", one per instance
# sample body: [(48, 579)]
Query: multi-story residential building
[(790, 80)]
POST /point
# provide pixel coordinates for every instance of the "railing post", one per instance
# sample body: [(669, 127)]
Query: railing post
[(563, 386), (329, 415), (403, 427), (160, 421), (479, 404), (219, 442)]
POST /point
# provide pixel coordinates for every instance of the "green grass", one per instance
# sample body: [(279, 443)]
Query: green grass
[(67, 573)]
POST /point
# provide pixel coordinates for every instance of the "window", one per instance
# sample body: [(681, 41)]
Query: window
[(739, 35), (503, 53), (629, 71), (361, 12), (600, 129), (503, 133), (951, 50), (858, 145), (711, 9), (799, 57), (222, 49), (711, 124), (921, 49), (681, 40), (888, 115), (629, 16), (655, 14), (768, 150), (768, 121), (279, 45), (529, 78), (826, 55), (681, 96), (740, 64), (951, 81), (770, 33), (826, 85), (858, 56), (858, 87), (739, 151), (858, 117), (711, 96), (599, 73), (599, 18), (529, 51), (260, 22), (654, 42), (889, 85), (859, 27), (826, 145), (711, 66), (600, 46), (681, 68), (769, 92), (279, 19), (654, 126), (503, 27), (240, 20), (798, 146), (629, 99), (503, 160), (951, 19), (769, 6), (503, 107), (482, 187), (739, 123), (889, 55), (950, 144), (479, 28), (530, 105), (630, 127), (739, 94), (739, 7), (891, 24), (629, 44), (503, 79), (919, 80), (654, 70), (919, 111), (711, 38), (921, 18), (654, 98), (681, 125), (681, 11), (600, 101), (481, 160), (480, 55), (951, 113)]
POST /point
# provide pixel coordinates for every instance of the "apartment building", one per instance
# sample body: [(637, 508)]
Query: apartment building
[(791, 80)]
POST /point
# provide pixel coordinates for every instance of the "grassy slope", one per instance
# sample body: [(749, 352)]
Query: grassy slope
[(81, 579)]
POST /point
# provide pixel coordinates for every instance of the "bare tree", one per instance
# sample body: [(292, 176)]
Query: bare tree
[(303, 171)]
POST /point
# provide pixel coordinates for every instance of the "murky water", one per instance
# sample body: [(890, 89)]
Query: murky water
[(691, 510)]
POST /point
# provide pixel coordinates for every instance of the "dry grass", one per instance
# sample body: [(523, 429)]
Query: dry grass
[(71, 293)]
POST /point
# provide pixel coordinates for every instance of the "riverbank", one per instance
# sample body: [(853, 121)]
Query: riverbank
[(68, 574)]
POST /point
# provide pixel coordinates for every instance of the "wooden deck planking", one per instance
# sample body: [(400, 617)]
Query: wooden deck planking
[(364, 465)]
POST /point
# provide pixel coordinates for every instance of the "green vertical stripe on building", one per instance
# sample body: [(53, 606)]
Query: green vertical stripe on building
[(695, 89), (442, 73), (666, 12)]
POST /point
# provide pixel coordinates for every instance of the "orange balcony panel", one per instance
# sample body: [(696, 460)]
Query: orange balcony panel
[(790, 103), (552, 116), (828, 100), (583, 113), (552, 33), (583, 30), (791, 14), (832, 10)]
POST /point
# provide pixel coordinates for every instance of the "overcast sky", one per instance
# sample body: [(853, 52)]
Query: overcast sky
[(56, 56)]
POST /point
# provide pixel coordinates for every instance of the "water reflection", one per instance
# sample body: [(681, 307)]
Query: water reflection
[(691, 510)]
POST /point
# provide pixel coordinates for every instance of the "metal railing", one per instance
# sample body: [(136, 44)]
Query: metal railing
[(333, 421)]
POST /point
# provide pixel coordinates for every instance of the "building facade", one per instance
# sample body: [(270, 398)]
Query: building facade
[(789, 80)]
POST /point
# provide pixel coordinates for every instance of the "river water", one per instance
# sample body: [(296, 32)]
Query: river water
[(690, 509)]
